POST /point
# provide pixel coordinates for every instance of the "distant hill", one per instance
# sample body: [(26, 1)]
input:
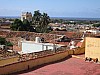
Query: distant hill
[(65, 18), (73, 18)]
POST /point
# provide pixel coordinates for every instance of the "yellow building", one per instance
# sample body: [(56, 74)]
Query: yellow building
[(26, 15), (92, 48)]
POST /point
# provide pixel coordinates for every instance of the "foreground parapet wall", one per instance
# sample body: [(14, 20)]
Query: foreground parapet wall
[(8, 61), (25, 65)]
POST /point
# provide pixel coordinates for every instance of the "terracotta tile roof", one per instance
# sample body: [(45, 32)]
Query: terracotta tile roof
[(68, 34), (64, 43), (71, 66), (79, 44)]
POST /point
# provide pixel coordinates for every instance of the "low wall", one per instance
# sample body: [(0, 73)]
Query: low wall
[(20, 66), (24, 65), (79, 51), (8, 61)]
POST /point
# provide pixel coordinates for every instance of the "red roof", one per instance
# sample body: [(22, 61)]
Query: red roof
[(79, 44), (72, 66)]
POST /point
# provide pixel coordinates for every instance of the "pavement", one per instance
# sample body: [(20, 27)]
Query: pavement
[(81, 56), (68, 66)]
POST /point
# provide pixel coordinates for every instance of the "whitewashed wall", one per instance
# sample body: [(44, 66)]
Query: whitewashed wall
[(28, 47)]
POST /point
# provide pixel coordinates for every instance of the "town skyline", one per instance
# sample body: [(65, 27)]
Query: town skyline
[(54, 8)]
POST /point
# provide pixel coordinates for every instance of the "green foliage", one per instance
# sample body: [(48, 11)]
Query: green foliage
[(2, 41), (45, 19), (18, 25), (36, 17), (9, 44), (97, 25), (26, 25), (41, 22)]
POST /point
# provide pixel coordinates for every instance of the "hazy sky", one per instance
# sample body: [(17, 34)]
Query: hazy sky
[(54, 8)]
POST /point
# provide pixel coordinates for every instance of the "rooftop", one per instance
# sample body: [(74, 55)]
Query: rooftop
[(71, 66)]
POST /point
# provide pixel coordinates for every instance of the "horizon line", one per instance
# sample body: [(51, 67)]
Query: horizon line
[(55, 17)]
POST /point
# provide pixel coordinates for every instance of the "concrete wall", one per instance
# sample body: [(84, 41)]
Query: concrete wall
[(92, 47)]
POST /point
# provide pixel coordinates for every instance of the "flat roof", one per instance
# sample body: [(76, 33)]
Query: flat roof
[(33, 42), (71, 66)]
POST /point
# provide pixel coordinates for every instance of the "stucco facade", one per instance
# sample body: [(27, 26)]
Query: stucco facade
[(26, 15), (92, 47)]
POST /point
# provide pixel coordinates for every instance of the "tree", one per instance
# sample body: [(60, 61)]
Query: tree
[(96, 25), (17, 25), (43, 27), (9, 44), (36, 17), (26, 25), (41, 21), (45, 20), (2, 41)]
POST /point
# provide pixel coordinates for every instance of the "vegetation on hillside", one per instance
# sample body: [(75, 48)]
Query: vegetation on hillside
[(4, 42), (96, 25)]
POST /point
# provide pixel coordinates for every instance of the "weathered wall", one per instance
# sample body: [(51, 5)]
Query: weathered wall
[(79, 51), (92, 47), (19, 66), (8, 61), (24, 65)]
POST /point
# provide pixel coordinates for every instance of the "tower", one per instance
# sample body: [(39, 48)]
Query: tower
[(26, 15)]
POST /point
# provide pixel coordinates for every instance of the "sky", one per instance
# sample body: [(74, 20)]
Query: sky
[(54, 8)]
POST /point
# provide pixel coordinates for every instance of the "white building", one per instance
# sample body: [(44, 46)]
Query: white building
[(26, 15), (92, 31), (72, 45), (36, 46)]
